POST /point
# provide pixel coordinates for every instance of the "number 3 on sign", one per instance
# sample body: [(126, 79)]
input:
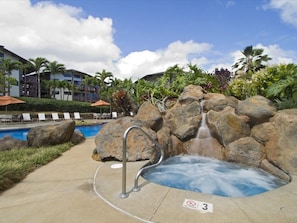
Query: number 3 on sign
[(205, 207), (200, 206)]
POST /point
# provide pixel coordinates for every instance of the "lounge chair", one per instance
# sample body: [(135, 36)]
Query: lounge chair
[(41, 117), (55, 116), (76, 116), (96, 115), (105, 115), (67, 116), (26, 117), (114, 115), (6, 118)]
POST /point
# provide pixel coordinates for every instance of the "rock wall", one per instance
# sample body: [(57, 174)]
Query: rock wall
[(251, 132)]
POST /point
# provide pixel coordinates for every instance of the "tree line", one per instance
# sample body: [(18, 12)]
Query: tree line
[(250, 76)]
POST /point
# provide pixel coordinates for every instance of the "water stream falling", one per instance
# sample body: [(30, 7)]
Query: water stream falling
[(203, 140)]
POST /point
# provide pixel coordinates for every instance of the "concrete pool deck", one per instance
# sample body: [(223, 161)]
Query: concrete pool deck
[(75, 188)]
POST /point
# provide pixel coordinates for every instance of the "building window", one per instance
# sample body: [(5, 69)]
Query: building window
[(67, 75)]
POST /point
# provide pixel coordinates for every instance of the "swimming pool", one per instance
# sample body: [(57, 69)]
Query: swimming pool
[(88, 131), (211, 176)]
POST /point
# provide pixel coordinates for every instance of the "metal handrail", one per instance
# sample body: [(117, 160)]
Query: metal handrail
[(124, 193)]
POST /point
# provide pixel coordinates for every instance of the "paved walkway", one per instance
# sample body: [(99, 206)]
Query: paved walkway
[(61, 191), (74, 188)]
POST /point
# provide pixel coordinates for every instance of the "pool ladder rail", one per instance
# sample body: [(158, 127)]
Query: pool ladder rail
[(136, 187)]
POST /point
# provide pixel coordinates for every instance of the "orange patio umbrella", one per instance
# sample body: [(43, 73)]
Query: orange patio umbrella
[(7, 100), (101, 103)]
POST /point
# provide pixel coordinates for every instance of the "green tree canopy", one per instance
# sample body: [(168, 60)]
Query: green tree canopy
[(251, 61)]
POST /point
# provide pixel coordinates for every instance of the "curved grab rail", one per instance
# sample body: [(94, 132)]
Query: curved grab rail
[(124, 193)]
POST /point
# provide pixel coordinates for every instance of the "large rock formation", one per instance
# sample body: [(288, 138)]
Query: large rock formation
[(109, 141), (250, 132), (257, 108), (281, 147), (50, 134), (227, 126), (8, 143)]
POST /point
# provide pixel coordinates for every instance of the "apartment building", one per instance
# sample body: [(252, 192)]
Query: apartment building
[(17, 74), (27, 83)]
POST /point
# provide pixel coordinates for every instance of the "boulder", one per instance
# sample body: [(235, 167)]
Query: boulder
[(8, 143), (270, 168), (184, 120), (190, 94), (109, 141), (262, 133), (281, 148), (258, 108), (217, 102), (150, 116), (164, 140), (226, 126), (246, 151), (177, 146), (77, 137), (51, 134)]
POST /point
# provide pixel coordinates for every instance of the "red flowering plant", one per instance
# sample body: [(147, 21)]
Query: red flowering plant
[(122, 101)]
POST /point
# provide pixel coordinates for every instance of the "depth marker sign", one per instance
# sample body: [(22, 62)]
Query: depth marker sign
[(200, 206)]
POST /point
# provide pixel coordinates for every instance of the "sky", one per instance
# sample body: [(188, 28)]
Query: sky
[(134, 38)]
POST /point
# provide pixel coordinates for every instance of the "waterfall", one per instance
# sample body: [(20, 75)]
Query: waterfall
[(203, 131), (203, 142)]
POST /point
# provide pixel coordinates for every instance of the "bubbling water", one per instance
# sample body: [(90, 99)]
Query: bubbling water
[(210, 176)]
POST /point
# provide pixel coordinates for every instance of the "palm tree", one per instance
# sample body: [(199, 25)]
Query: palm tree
[(6, 68), (87, 83), (69, 86), (105, 80), (37, 64), (55, 68), (252, 61)]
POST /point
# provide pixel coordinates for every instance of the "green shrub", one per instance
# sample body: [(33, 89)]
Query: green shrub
[(46, 104), (15, 164)]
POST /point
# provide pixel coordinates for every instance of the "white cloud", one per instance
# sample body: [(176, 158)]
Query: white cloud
[(288, 10), (137, 64), (60, 32), (63, 33), (278, 55), (57, 32)]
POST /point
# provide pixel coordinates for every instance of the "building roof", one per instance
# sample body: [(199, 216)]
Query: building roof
[(152, 77), (21, 59)]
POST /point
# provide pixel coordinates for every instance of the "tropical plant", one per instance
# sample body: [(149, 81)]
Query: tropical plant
[(6, 67), (54, 68), (223, 77), (239, 88), (70, 87), (284, 89), (251, 61), (90, 83), (122, 100), (38, 64), (105, 80)]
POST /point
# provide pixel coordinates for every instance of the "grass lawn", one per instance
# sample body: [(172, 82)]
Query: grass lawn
[(15, 164)]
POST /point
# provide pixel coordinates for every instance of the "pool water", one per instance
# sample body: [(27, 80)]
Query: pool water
[(88, 131), (210, 176)]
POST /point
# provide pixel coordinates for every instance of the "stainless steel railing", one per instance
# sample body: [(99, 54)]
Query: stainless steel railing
[(124, 193)]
